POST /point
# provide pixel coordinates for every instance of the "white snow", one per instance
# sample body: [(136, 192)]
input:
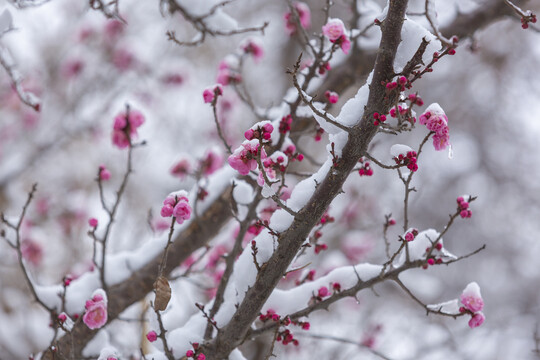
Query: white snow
[(412, 34), (398, 149)]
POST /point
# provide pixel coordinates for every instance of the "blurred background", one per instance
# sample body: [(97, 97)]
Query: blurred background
[(85, 69)]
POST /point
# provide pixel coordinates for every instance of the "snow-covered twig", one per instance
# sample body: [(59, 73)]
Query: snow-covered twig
[(200, 24), (8, 64)]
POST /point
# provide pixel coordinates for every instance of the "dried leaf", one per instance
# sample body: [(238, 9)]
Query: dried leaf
[(163, 293)]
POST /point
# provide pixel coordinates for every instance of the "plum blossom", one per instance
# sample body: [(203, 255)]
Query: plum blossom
[(332, 96), (210, 93), (244, 158), (226, 71), (304, 15), (477, 320), (181, 168), (31, 251), (151, 336), (471, 298), (334, 30), (104, 173), (125, 127), (211, 162), (96, 310), (177, 204), (253, 46), (435, 120)]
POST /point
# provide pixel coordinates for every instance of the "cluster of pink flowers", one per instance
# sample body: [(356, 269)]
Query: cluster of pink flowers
[(401, 110), (262, 130), (334, 30), (410, 235), (525, 20), (212, 92), (366, 169), (276, 162), (291, 153), (416, 100), (401, 82), (378, 118), (252, 46), (409, 159), (320, 247), (332, 96), (270, 315), (177, 204), (472, 302), (195, 353), (324, 67), (304, 15), (435, 254), (96, 310), (244, 158), (285, 124), (125, 127), (463, 206), (435, 120)]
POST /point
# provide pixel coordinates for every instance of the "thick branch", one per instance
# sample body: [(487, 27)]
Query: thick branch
[(292, 239)]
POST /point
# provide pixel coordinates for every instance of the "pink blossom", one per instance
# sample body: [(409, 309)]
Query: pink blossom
[(244, 158), (212, 162), (31, 251), (72, 68), (123, 59), (190, 353), (304, 15), (93, 222), (167, 210), (435, 120), (201, 357), (96, 310), (477, 320), (226, 72), (151, 336), (177, 204), (181, 169), (104, 173), (62, 317), (323, 292), (471, 298), (333, 29), (211, 92), (253, 46), (113, 29), (332, 97), (125, 128)]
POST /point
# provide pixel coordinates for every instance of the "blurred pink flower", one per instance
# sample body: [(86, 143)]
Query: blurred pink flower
[(125, 128), (32, 251), (304, 15), (477, 320)]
